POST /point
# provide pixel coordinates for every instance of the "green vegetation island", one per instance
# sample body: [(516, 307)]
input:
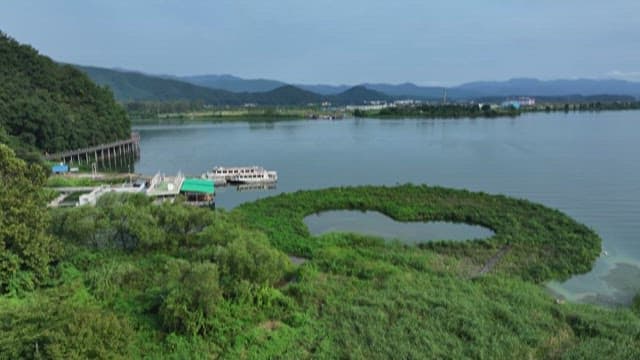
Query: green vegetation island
[(128, 278)]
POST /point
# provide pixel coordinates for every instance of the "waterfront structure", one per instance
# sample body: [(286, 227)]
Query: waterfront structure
[(161, 188), (511, 104), (99, 152), (60, 169), (198, 191), (92, 197), (527, 101)]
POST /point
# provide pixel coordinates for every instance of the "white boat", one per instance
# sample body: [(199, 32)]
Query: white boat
[(241, 175)]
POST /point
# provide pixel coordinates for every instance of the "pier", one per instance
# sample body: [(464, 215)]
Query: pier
[(102, 152), (161, 188)]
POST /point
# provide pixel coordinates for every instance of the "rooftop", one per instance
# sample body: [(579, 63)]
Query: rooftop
[(203, 186)]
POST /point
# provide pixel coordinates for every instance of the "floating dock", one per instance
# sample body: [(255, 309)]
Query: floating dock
[(160, 187)]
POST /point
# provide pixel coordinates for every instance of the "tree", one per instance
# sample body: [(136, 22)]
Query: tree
[(192, 301), (250, 257), (26, 250)]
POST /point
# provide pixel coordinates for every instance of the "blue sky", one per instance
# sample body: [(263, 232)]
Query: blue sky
[(426, 42)]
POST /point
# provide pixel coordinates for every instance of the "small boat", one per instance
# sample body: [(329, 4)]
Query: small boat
[(241, 175)]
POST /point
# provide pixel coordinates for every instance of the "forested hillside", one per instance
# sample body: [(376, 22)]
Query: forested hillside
[(47, 107), (130, 86)]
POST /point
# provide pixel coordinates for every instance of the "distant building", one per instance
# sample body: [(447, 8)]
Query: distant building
[(404, 102), (520, 102), (514, 104), (527, 101), (200, 191), (367, 107)]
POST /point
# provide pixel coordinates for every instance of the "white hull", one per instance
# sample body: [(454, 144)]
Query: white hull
[(241, 175)]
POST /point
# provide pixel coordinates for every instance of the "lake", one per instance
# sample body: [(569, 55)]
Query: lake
[(584, 164)]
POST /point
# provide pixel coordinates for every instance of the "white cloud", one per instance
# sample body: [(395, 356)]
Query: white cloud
[(625, 75)]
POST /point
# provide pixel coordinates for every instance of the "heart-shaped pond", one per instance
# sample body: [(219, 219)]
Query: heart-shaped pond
[(377, 224)]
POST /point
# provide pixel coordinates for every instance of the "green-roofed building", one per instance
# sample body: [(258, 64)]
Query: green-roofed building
[(200, 191)]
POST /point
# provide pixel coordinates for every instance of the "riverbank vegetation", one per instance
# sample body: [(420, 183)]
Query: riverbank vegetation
[(184, 111), (132, 279), (152, 112), (437, 111), (488, 111), (56, 181)]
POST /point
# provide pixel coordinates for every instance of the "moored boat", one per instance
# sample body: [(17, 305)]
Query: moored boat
[(241, 175)]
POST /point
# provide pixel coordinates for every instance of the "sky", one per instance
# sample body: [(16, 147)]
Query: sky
[(339, 42)]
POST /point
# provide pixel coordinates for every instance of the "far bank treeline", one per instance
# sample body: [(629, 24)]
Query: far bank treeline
[(475, 110), (48, 107), (185, 109)]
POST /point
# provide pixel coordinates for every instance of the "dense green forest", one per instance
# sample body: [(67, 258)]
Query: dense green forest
[(131, 279), (47, 107)]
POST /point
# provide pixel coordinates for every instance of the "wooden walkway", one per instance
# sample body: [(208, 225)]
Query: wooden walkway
[(88, 155)]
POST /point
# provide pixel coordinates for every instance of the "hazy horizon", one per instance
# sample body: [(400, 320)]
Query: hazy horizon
[(337, 43), (116, 68)]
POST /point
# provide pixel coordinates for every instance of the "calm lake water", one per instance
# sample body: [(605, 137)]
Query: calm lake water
[(378, 224), (584, 164)]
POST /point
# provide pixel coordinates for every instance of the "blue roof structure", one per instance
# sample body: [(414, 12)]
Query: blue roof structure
[(60, 168)]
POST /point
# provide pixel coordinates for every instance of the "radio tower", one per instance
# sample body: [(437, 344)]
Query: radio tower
[(444, 96)]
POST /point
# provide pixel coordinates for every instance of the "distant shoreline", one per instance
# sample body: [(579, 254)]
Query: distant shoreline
[(449, 111)]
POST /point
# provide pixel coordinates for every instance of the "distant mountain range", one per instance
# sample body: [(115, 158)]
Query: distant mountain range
[(233, 83), (137, 86), (472, 90), (232, 90)]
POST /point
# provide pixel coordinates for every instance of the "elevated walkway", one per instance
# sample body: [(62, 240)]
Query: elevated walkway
[(99, 152)]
